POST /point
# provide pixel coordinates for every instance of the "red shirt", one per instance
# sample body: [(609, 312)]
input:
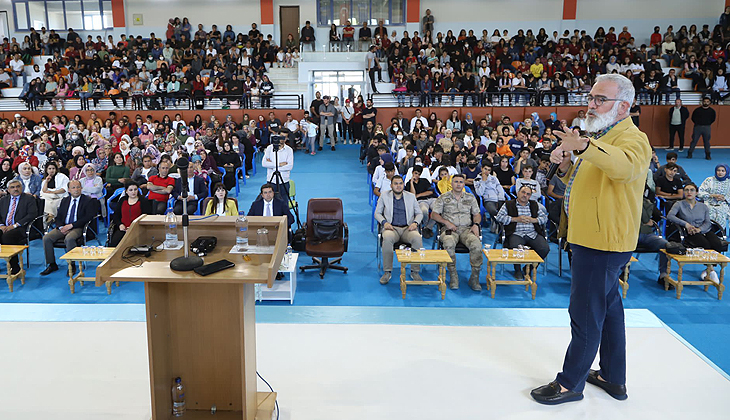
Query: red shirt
[(130, 213), (161, 182)]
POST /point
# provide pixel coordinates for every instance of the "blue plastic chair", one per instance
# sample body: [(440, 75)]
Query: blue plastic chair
[(109, 210), (240, 175), (253, 161), (372, 214)]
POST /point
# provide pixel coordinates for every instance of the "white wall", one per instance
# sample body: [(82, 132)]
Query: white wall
[(239, 13)]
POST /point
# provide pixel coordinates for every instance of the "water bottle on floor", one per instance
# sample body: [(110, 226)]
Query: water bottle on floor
[(241, 232), (170, 229), (178, 398)]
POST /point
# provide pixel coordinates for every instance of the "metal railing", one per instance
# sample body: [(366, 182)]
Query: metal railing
[(515, 98), (164, 101)]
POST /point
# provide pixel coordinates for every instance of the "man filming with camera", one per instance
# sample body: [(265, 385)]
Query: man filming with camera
[(279, 160)]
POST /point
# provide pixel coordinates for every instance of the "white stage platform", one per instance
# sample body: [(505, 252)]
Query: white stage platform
[(98, 371)]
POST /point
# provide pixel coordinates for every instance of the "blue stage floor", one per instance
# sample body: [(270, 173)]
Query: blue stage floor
[(698, 317)]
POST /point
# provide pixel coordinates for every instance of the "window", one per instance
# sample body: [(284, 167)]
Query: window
[(392, 12), (89, 15)]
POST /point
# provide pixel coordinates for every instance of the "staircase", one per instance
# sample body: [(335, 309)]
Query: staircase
[(286, 80)]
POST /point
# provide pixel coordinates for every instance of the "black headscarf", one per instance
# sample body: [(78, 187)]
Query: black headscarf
[(6, 176)]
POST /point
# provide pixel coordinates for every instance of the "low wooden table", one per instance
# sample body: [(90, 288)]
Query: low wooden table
[(77, 255), (7, 252), (531, 260), (625, 283), (433, 256), (681, 260)]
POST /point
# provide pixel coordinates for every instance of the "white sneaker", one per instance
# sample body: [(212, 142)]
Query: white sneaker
[(713, 276)]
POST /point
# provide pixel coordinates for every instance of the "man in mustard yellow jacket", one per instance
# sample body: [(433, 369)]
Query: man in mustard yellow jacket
[(603, 198)]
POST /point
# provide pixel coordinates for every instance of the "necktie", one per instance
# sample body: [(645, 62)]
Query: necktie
[(268, 209), (11, 213), (72, 213)]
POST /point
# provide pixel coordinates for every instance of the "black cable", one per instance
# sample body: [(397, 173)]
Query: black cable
[(272, 390)]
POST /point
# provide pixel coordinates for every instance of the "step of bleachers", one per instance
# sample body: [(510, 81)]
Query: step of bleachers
[(74, 104), (12, 92), (41, 60)]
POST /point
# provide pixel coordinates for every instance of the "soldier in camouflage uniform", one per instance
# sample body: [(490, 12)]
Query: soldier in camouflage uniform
[(458, 213)]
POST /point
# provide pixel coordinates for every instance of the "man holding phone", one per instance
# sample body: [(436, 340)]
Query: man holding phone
[(458, 213)]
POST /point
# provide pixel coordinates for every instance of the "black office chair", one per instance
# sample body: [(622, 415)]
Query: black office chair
[(89, 232), (677, 233)]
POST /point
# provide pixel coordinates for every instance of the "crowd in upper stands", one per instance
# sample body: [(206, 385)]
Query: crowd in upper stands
[(529, 67)]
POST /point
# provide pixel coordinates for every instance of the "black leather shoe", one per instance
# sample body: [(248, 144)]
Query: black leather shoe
[(50, 269), (333, 148), (14, 270), (550, 394), (614, 390), (661, 282)]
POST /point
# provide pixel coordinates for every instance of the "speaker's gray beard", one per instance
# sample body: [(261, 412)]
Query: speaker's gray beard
[(597, 122)]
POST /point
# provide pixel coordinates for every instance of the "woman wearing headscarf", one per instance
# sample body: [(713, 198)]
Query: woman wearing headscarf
[(715, 192), (101, 161), (91, 183), (54, 188), (29, 180), (210, 166), (124, 150), (229, 160), (243, 146), (6, 175), (145, 134), (152, 150), (75, 172)]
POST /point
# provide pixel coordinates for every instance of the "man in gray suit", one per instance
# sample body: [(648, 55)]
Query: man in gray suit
[(398, 213)]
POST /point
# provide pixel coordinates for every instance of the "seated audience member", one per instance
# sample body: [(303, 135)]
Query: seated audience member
[(6, 175), (458, 212), (16, 211), (30, 182), (383, 184), (443, 183), (160, 186), (91, 183), (142, 174), (472, 170), (505, 174), (425, 173), (379, 171), (127, 209), (694, 217), (526, 180), (74, 212), (53, 190), (715, 192), (421, 188), (669, 186), (116, 173), (492, 194), (399, 214), (681, 174), (230, 161), (649, 239), (270, 205), (523, 159), (197, 190), (524, 224), (555, 190), (221, 204)]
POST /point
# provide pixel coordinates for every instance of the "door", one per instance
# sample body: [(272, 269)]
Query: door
[(289, 23), (350, 91)]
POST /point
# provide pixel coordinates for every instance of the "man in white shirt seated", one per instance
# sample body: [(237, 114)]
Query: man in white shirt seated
[(284, 155), (295, 133), (18, 69), (383, 184), (420, 117)]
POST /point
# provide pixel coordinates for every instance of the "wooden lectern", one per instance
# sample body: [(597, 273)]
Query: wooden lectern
[(202, 329)]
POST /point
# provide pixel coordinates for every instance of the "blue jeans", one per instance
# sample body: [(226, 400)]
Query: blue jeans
[(596, 318), (653, 242)]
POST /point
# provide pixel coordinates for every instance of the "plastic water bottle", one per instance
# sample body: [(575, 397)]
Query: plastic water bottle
[(178, 398), (241, 231), (170, 229), (287, 256)]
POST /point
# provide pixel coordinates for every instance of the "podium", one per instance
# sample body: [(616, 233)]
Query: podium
[(202, 329)]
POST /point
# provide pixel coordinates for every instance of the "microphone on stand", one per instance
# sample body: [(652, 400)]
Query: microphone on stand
[(187, 262)]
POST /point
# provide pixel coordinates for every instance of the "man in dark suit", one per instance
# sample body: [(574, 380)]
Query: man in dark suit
[(74, 212), (269, 206), (197, 190), (16, 211)]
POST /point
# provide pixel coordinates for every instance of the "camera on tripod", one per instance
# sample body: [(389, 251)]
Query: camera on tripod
[(276, 141)]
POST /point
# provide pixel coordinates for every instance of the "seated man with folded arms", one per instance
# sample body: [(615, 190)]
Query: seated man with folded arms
[(399, 214), (524, 222)]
